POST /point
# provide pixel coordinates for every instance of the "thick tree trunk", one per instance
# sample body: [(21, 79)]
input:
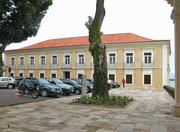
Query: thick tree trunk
[(98, 51), (1, 59)]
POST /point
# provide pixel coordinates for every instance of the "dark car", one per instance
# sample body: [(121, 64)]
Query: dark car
[(18, 79), (88, 84), (45, 88), (113, 84), (77, 87), (66, 89)]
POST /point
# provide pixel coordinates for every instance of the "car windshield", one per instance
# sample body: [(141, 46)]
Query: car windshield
[(74, 82), (44, 81), (58, 81)]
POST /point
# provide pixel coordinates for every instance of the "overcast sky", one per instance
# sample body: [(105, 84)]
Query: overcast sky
[(147, 18)]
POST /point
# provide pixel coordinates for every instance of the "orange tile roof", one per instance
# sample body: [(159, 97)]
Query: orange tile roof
[(78, 41)]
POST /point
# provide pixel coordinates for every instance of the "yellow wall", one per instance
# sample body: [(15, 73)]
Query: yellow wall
[(120, 69)]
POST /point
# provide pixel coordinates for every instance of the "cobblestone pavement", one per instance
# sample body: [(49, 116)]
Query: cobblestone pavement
[(151, 112)]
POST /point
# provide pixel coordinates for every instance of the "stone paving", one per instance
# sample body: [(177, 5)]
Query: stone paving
[(151, 112)]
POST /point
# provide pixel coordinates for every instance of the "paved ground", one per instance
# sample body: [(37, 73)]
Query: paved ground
[(7, 97), (149, 113)]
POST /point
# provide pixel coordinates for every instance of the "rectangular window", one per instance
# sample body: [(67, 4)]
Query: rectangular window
[(128, 79), (112, 58), (43, 60), (21, 74), (21, 61), (41, 75), (81, 59), (13, 61), (67, 59), (129, 58), (31, 60), (147, 79), (80, 76), (31, 75), (66, 74), (53, 75), (147, 58), (112, 77), (12, 74), (54, 60)]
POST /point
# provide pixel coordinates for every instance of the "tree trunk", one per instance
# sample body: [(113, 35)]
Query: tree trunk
[(98, 51), (1, 59)]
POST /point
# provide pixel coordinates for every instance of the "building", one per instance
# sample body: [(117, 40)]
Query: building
[(141, 61)]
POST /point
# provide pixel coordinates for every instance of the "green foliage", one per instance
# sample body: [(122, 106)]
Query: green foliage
[(112, 101), (20, 19)]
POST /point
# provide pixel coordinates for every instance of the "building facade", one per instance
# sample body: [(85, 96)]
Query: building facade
[(141, 61)]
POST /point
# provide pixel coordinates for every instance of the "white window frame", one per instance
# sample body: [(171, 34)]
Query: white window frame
[(147, 50), (20, 60), (11, 60), (53, 72), (108, 58), (129, 72), (80, 72), (42, 55), (125, 56), (21, 71), (42, 71), (78, 61), (56, 59), (64, 59), (112, 72), (30, 60), (147, 72)]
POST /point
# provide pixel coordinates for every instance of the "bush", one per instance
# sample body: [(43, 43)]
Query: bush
[(112, 101), (170, 90)]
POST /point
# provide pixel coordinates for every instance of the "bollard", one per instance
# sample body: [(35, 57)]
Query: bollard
[(83, 86), (17, 93)]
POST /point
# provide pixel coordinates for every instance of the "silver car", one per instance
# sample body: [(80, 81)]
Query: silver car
[(7, 82)]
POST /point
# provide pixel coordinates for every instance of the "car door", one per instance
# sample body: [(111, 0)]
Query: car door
[(4, 81)]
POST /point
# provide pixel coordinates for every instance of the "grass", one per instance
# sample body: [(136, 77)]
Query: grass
[(112, 101)]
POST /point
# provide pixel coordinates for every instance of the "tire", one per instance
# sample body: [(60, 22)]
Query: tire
[(21, 92), (10, 86), (77, 91), (35, 94), (44, 93)]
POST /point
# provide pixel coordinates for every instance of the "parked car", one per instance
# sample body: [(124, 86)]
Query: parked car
[(111, 83), (77, 87), (7, 82), (45, 88), (18, 79), (66, 89), (88, 84)]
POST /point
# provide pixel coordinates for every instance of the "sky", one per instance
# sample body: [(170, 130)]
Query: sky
[(147, 18)]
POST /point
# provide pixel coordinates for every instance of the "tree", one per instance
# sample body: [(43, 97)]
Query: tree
[(20, 19), (98, 51)]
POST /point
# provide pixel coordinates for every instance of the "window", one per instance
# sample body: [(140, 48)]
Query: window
[(54, 60), (21, 61), (147, 79), (31, 75), (41, 75), (147, 58), (53, 75), (12, 74), (12, 61), (81, 59), (80, 76), (128, 79), (129, 58), (112, 77), (20, 74), (43, 60), (112, 58), (67, 59), (66, 74), (32, 60)]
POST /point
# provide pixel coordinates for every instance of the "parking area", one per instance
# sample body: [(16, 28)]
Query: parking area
[(7, 97)]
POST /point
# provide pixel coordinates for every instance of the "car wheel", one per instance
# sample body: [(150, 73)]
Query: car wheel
[(44, 93), (77, 91), (10, 86)]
